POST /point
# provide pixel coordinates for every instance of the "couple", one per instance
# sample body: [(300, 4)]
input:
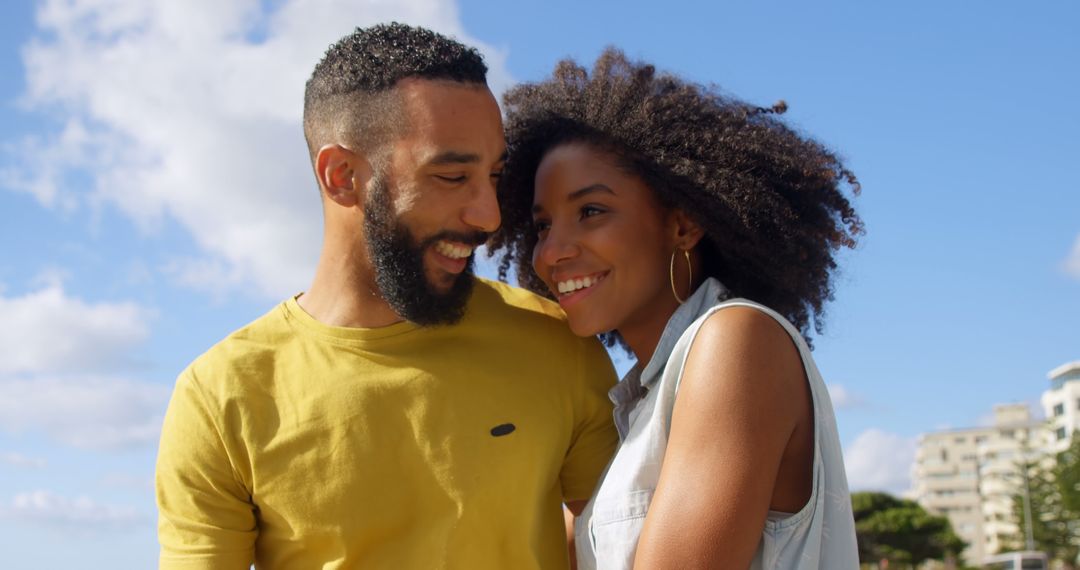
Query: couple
[(402, 413)]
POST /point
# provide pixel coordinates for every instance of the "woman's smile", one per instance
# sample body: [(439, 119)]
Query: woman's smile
[(602, 243), (573, 289)]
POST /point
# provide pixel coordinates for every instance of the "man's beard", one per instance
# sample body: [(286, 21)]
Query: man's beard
[(398, 261)]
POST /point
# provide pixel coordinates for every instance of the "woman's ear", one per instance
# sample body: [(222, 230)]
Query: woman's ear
[(684, 231), (342, 174)]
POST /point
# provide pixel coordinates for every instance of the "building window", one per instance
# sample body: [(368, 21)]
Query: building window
[(960, 440), (1008, 433), (1059, 409), (1078, 403), (1060, 433)]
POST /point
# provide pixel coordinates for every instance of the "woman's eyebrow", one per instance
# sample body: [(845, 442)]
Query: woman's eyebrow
[(577, 194)]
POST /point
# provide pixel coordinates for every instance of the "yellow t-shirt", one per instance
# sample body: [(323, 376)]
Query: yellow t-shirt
[(298, 445)]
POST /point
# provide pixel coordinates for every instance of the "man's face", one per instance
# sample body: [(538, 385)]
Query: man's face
[(433, 200)]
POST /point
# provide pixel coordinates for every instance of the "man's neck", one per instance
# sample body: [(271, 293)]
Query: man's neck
[(343, 295)]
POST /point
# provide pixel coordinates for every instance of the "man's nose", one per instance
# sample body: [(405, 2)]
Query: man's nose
[(482, 211)]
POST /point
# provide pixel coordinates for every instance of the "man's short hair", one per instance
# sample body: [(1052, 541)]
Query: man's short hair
[(350, 96)]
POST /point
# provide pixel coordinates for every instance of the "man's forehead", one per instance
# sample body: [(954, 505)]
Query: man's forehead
[(426, 95), (445, 118)]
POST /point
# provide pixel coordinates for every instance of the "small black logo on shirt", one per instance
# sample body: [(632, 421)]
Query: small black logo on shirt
[(502, 429)]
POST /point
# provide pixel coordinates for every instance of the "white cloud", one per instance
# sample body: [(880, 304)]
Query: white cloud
[(59, 356), (880, 461), (842, 398), (48, 331), (211, 276), (85, 411), (20, 460), (1071, 265), (82, 512), (192, 110), (71, 146)]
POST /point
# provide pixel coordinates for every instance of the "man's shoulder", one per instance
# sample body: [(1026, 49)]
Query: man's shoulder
[(504, 300), (537, 326), (247, 349)]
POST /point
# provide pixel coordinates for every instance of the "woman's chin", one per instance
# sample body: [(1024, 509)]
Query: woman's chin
[(584, 329)]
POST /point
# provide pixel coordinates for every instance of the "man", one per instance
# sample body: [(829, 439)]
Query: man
[(400, 413)]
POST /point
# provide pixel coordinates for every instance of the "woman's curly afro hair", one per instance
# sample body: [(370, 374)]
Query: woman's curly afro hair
[(771, 201)]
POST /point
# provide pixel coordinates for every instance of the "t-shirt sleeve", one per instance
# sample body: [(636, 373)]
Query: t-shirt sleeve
[(206, 519), (595, 437)]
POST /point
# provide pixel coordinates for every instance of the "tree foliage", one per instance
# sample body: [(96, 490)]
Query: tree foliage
[(1054, 488), (900, 530)]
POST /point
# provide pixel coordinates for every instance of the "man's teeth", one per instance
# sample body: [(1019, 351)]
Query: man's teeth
[(453, 251), (571, 285)]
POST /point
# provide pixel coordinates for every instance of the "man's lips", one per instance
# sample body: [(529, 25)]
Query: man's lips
[(452, 256), (453, 250)]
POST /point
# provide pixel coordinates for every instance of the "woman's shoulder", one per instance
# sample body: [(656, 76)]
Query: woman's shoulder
[(742, 339), (742, 322)]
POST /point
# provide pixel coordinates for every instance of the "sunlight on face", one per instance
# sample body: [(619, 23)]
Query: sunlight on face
[(603, 242)]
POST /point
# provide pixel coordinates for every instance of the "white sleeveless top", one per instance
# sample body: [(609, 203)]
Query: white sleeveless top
[(820, 535)]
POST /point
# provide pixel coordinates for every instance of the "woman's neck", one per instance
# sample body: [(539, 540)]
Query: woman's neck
[(643, 334)]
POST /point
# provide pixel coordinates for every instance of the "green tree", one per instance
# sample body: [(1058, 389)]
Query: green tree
[(900, 530), (1054, 490)]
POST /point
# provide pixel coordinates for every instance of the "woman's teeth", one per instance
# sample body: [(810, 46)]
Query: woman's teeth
[(453, 251), (571, 285)]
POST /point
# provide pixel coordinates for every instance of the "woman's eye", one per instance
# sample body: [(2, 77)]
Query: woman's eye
[(590, 211), (451, 179), (540, 226)]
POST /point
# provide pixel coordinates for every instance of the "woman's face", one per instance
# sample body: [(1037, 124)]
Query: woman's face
[(603, 242)]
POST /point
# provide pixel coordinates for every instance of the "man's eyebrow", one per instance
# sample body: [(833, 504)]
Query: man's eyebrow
[(454, 157), (579, 193)]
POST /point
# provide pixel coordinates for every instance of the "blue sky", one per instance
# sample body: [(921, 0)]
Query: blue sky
[(155, 195)]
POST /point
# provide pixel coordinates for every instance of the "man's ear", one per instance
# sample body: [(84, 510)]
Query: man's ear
[(342, 174), (684, 232)]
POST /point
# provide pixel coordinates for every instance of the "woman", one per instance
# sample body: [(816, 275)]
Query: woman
[(700, 232)]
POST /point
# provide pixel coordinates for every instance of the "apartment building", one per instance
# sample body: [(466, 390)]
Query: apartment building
[(971, 475), (1062, 405)]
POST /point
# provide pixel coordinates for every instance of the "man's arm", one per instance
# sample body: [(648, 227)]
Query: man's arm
[(595, 437), (571, 511), (205, 516)]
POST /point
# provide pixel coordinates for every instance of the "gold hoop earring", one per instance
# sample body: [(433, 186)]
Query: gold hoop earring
[(690, 270)]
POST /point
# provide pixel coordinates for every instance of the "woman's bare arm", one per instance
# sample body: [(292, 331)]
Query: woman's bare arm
[(741, 398)]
